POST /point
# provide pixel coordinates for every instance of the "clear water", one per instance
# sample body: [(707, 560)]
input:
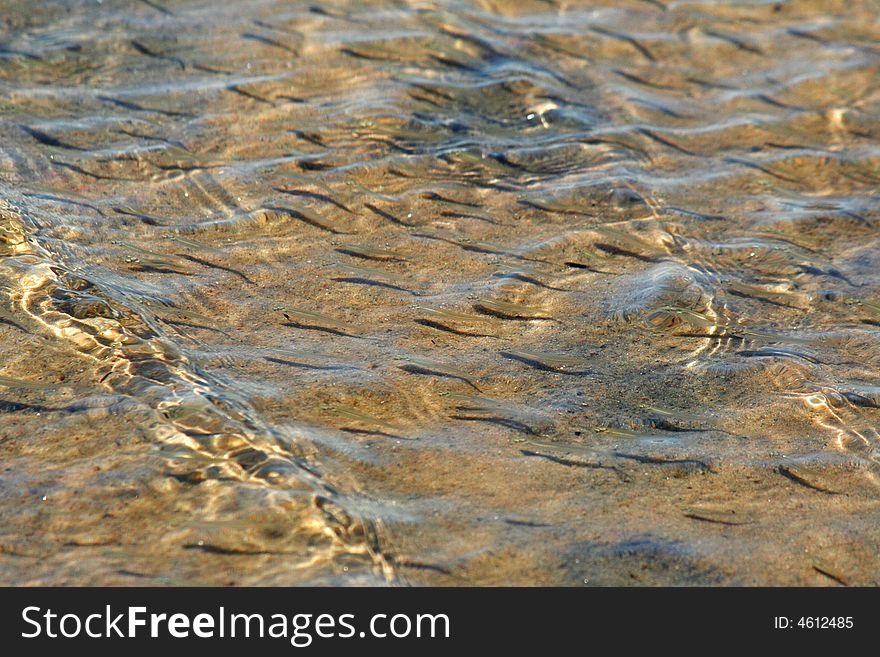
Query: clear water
[(439, 292)]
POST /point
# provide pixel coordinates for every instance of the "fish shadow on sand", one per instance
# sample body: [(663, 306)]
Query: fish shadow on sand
[(526, 523), (387, 215), (194, 325), (427, 371), (617, 251), (513, 316), (320, 329), (306, 366), (158, 268), (14, 324), (464, 215), (696, 464), (507, 423), (449, 329), (571, 463), (355, 254), (425, 566), (7, 406), (357, 280), (530, 280), (580, 265), (373, 432), (313, 195), (538, 365), (212, 265)]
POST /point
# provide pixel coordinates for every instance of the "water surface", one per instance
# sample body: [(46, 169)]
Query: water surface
[(454, 293)]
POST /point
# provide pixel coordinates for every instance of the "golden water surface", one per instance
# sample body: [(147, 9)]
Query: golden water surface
[(422, 292)]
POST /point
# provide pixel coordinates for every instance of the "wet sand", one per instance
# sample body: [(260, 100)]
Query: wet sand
[(459, 293)]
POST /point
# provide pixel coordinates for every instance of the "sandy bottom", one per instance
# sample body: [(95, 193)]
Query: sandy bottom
[(451, 294)]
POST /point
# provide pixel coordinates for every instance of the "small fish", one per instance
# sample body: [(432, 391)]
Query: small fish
[(859, 303), (399, 133), (132, 212), (478, 403), (829, 272), (291, 353), (729, 330), (150, 259), (371, 272), (510, 310), (764, 336), (480, 160), (642, 434), (555, 360), (305, 316), (670, 413), (134, 248), (161, 308), (486, 247), (690, 213), (620, 432), (692, 317), (375, 195), (450, 315), (568, 449), (9, 382), (192, 244), (777, 353), (457, 208), (352, 413), (524, 275), (549, 205), (434, 196), (159, 264), (631, 243), (181, 158), (758, 292)]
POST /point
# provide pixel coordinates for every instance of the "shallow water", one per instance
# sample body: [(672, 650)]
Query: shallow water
[(439, 292)]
